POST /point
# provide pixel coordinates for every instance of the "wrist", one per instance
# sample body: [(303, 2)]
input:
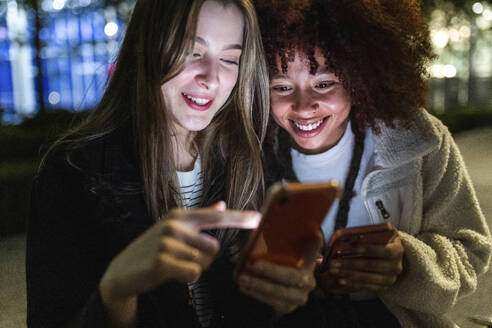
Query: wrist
[(121, 311)]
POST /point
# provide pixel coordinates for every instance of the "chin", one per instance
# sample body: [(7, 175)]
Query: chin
[(310, 147), (197, 125)]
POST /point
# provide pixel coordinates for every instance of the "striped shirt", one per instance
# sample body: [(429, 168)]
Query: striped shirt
[(191, 187)]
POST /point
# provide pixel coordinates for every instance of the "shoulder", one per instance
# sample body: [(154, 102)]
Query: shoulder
[(67, 158), (94, 157), (402, 143), (430, 124)]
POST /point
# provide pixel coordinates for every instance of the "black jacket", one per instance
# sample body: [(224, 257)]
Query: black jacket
[(82, 217)]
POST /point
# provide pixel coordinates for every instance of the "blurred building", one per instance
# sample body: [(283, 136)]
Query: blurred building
[(462, 74), (79, 41)]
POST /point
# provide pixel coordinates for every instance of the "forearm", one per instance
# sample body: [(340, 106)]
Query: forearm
[(437, 271)]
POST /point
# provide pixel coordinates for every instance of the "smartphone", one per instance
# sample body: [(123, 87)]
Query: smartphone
[(292, 216), (344, 239)]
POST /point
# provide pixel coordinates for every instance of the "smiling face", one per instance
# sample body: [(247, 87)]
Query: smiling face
[(313, 109), (202, 88)]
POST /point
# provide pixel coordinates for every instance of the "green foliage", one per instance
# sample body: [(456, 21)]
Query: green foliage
[(15, 187), (22, 147), (460, 119), (26, 141)]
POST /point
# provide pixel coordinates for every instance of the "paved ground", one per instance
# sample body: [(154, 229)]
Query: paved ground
[(476, 147), (12, 282)]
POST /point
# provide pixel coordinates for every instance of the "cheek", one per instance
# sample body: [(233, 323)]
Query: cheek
[(167, 94), (171, 87), (230, 80), (338, 103), (279, 111), (181, 80), (166, 88)]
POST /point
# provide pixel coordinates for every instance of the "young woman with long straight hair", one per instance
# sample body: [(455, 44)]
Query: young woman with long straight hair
[(114, 239)]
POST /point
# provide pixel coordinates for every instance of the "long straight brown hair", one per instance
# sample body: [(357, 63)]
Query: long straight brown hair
[(158, 38)]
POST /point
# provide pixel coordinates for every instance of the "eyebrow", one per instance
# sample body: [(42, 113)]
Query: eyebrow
[(286, 76), (227, 47)]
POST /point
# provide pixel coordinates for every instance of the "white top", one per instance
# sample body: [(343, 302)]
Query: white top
[(191, 185), (333, 165)]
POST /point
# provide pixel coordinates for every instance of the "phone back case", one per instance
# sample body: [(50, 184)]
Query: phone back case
[(344, 239), (292, 217)]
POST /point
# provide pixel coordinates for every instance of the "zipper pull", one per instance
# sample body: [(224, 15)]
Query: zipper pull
[(383, 211)]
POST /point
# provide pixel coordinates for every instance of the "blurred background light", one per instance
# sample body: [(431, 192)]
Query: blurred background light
[(477, 8), (437, 71), (58, 4), (487, 14), (454, 35), (465, 31), (440, 38), (3, 33), (449, 71), (111, 29), (440, 71), (54, 98), (12, 5)]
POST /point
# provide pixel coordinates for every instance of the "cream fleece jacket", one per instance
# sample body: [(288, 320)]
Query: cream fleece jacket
[(422, 180)]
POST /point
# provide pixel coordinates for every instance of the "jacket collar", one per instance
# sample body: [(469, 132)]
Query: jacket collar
[(397, 146)]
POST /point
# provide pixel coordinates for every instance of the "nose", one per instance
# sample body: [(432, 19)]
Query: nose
[(208, 74), (305, 103)]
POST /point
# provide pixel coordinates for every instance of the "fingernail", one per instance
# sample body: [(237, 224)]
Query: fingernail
[(257, 216), (252, 221), (347, 253), (221, 205), (343, 282)]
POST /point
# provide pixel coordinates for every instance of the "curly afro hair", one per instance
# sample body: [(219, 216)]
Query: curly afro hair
[(379, 49)]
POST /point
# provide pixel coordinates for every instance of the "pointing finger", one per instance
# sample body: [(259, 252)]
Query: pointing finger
[(203, 219)]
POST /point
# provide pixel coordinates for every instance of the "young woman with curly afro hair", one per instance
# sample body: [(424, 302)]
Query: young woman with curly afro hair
[(348, 84)]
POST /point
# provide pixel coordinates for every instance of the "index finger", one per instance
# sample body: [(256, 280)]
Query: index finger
[(388, 251), (203, 219)]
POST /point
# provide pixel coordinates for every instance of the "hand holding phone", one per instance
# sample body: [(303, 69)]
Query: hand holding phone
[(283, 287), (343, 240), (362, 258), (292, 217)]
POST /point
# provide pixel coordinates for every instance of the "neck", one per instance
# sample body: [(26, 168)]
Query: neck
[(184, 151)]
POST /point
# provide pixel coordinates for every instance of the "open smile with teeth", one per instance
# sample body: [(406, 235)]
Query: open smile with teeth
[(308, 127), (198, 101)]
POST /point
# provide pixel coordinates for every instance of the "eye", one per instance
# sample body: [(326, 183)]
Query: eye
[(228, 61), (281, 88), (325, 84)]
